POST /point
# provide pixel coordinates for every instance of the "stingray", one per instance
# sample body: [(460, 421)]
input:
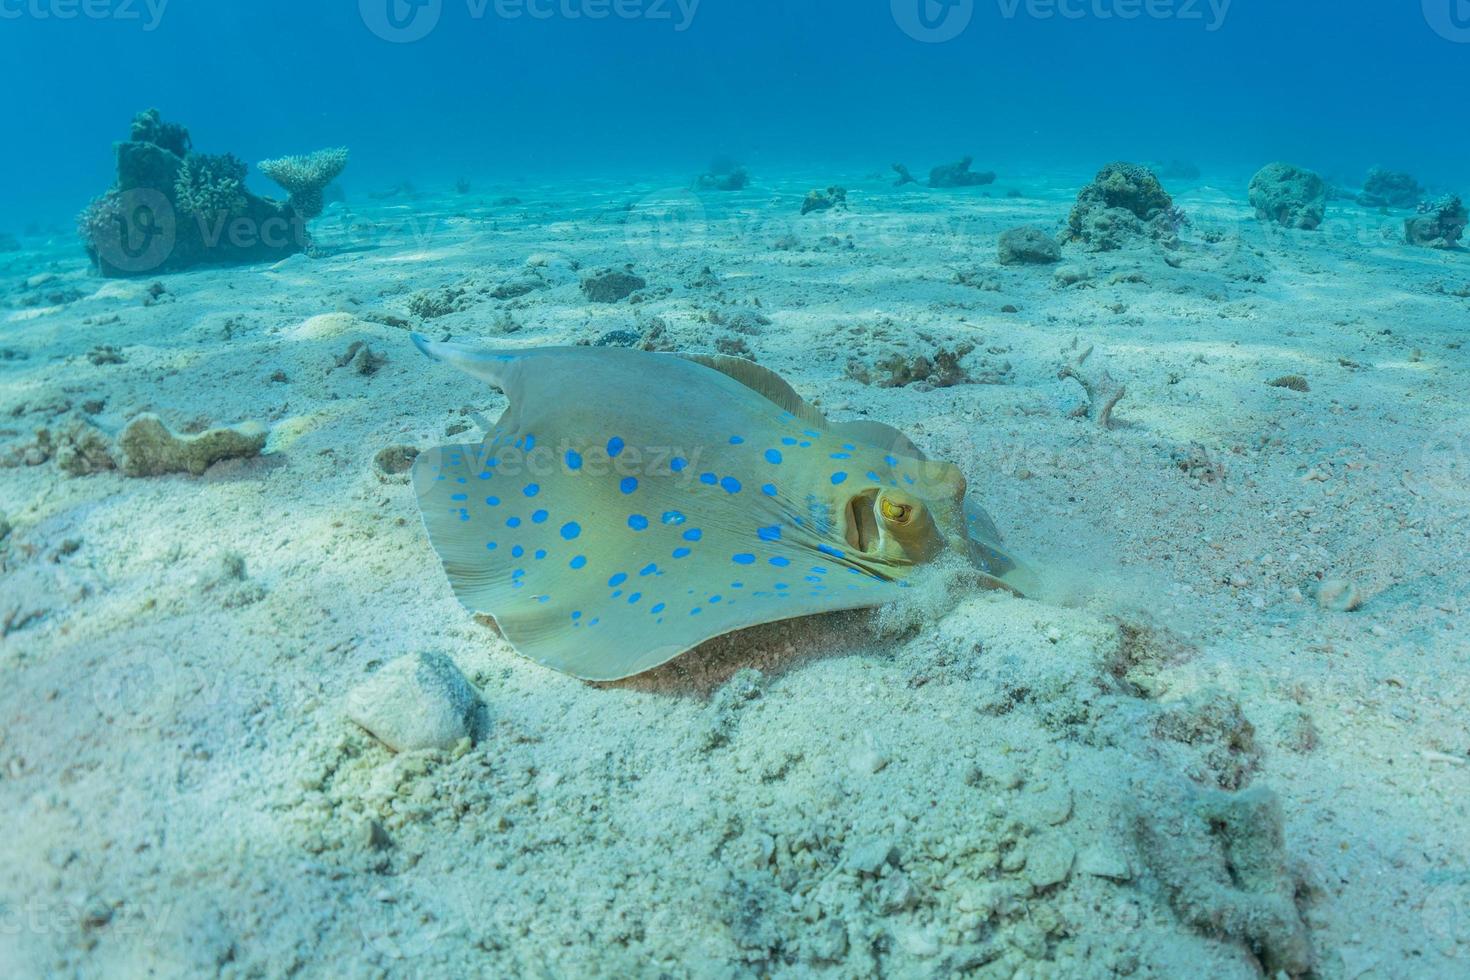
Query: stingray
[(629, 506)]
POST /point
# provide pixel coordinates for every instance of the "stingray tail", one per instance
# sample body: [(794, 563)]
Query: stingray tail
[(497, 368)]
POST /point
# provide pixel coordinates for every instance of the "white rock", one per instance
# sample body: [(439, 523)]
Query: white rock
[(421, 701)]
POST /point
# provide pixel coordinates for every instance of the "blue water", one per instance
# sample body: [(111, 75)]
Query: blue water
[(1337, 85)]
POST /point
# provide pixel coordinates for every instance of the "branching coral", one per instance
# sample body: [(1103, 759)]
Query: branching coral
[(306, 177), (210, 185)]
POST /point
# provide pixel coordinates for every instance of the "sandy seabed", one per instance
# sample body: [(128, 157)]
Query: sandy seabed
[(1178, 761)]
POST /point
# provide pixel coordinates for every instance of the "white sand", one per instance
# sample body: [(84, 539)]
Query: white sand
[(1019, 788)]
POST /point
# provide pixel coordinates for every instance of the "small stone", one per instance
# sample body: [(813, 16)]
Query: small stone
[(374, 837), (417, 702), (148, 448), (1070, 275), (869, 761), (1049, 861), (1104, 862), (1028, 245), (828, 942), (393, 463), (868, 858), (896, 893), (1339, 595)]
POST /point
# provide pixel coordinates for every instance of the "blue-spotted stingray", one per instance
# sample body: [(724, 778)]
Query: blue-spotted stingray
[(629, 506)]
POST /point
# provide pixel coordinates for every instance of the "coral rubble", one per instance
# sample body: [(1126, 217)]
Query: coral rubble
[(1387, 189), (1439, 224), (959, 175), (832, 197), (1289, 196), (1027, 245), (1123, 203), (172, 209)]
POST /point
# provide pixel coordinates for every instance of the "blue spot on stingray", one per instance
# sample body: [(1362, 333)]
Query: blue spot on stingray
[(827, 549), (737, 585), (539, 517), (849, 447), (647, 570), (813, 578), (638, 522), (681, 552), (714, 599), (838, 478), (769, 534), (577, 615), (485, 475), (743, 559), (491, 546), (460, 496), (616, 593), (517, 551), (634, 597), (540, 553), (570, 530), (657, 609), (672, 517), (574, 460), (774, 456), (874, 477), (736, 440), (730, 484), (629, 484), (492, 501), (908, 479), (532, 489), (782, 585), (810, 434), (695, 611), (618, 579), (530, 443), (842, 455), (769, 490), (578, 561), (614, 447), (693, 534), (891, 460), (788, 441), (678, 463), (780, 561), (513, 522), (708, 479)]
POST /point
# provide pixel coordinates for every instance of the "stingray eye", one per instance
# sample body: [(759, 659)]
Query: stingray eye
[(897, 513)]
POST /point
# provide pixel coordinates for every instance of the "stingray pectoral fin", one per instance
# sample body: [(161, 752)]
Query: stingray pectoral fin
[(497, 368), (992, 558)]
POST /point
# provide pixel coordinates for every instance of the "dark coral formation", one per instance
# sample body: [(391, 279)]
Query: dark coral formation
[(1124, 202), (832, 197), (959, 175), (612, 285), (941, 369), (1388, 189), (724, 174), (173, 209), (904, 177), (1440, 224), (1289, 196)]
